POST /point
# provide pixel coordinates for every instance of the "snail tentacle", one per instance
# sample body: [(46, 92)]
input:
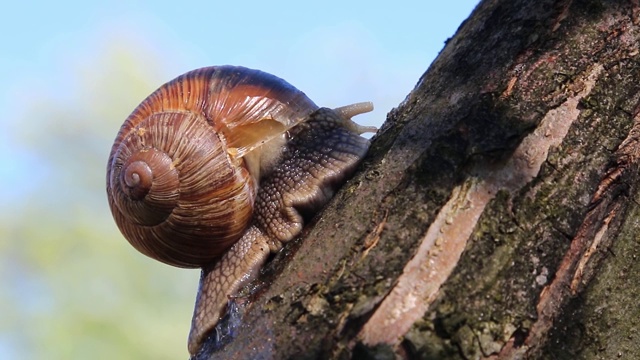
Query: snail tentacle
[(349, 111)]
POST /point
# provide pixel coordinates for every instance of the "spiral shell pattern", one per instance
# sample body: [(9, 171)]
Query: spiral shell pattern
[(177, 181)]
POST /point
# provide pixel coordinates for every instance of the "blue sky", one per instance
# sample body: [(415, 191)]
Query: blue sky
[(338, 52)]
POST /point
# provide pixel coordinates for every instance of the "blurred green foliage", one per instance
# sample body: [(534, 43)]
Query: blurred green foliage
[(73, 288)]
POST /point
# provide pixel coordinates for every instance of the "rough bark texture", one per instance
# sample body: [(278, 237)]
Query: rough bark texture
[(496, 215)]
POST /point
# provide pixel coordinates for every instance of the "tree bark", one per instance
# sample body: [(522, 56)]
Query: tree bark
[(496, 215)]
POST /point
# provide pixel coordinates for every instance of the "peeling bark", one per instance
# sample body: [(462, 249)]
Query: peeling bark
[(496, 215)]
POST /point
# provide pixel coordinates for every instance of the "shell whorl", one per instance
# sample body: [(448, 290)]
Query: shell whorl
[(178, 184)]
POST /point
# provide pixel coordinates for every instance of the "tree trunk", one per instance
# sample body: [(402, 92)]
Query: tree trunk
[(496, 213)]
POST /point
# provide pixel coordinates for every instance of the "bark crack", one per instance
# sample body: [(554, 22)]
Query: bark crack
[(446, 238), (574, 270)]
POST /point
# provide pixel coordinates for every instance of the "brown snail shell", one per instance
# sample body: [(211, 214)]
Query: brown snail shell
[(184, 169)]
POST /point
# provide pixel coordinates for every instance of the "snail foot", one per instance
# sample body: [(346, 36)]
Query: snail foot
[(225, 331)]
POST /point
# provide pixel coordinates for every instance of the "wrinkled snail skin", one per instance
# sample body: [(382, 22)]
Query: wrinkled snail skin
[(219, 167), (319, 157)]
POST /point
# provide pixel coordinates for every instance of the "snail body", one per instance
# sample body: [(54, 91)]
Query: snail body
[(216, 169)]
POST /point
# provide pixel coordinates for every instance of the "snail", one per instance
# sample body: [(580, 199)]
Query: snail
[(220, 167)]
